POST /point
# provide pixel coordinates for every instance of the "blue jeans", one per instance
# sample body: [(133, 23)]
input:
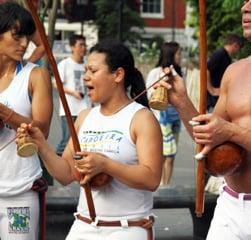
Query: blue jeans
[(65, 134)]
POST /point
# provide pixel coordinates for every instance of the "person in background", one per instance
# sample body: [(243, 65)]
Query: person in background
[(119, 137), (217, 65), (169, 119), (230, 121), (71, 71), (39, 50), (25, 96)]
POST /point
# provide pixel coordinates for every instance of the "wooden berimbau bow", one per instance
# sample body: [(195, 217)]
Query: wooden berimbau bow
[(73, 133), (200, 180)]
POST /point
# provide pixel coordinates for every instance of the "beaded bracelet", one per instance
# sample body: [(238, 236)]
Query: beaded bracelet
[(8, 116)]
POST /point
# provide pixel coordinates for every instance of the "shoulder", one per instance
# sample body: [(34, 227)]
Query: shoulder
[(64, 61), (237, 70), (143, 118), (154, 71), (142, 112), (240, 65), (144, 124), (40, 76), (219, 53), (40, 72)]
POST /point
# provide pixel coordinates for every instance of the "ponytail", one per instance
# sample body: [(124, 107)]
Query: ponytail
[(137, 86)]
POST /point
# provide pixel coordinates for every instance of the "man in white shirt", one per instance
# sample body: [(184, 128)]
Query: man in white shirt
[(71, 72)]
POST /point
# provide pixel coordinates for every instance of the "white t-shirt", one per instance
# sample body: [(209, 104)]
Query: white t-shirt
[(71, 74)]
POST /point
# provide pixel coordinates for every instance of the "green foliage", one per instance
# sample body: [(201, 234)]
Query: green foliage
[(149, 53), (146, 57), (107, 19), (223, 17), (149, 50)]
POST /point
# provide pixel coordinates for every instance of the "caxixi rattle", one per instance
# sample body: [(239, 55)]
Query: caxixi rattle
[(25, 146), (159, 98)]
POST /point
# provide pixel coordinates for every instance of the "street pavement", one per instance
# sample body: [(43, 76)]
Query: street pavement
[(175, 224)]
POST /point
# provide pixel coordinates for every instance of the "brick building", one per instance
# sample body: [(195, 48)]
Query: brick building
[(165, 18)]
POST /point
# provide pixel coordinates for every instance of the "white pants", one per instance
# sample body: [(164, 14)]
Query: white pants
[(84, 231), (232, 219), (19, 217)]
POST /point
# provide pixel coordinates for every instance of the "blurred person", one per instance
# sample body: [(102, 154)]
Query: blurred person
[(38, 51), (169, 119), (217, 64), (71, 71)]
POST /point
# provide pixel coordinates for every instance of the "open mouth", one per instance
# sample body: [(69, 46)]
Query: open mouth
[(89, 89)]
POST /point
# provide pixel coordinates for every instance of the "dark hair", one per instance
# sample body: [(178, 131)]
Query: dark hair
[(118, 55), (167, 56), (234, 38), (16, 18), (74, 38)]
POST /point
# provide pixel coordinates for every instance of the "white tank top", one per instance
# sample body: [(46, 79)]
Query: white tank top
[(110, 135), (17, 174)]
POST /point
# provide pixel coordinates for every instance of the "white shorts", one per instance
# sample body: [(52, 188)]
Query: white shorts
[(232, 218), (19, 217), (84, 231)]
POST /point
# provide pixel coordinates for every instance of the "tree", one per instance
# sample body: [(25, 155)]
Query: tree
[(108, 19), (223, 17)]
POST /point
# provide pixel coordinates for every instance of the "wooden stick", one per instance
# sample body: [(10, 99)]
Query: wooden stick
[(73, 133), (200, 181)]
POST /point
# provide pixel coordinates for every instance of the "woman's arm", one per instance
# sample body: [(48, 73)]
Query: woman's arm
[(39, 51), (40, 90), (61, 168)]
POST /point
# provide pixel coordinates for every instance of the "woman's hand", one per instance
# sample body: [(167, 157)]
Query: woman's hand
[(34, 132), (90, 165)]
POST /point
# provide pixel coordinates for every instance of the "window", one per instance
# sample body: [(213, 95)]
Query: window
[(152, 8)]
